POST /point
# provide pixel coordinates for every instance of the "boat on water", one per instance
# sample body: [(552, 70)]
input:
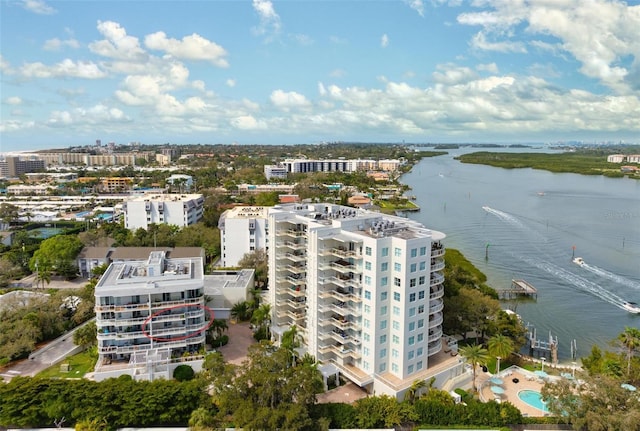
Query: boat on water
[(578, 261), (631, 307)]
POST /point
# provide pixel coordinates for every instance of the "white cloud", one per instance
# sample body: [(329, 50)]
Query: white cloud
[(13, 100), (338, 73), (489, 67), (5, 66), (288, 100), (416, 5), (65, 69), (96, 115), (384, 41), (16, 125), (479, 41), (270, 24), (56, 44), (302, 39), (451, 74), (193, 47), (117, 44), (338, 40), (230, 82), (38, 6)]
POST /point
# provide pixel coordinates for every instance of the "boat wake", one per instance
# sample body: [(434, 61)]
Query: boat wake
[(611, 276), (567, 276)]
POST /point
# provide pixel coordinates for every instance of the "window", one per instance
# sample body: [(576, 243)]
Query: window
[(419, 365), (383, 353), (365, 351), (365, 365), (423, 251), (410, 369), (396, 325), (384, 281), (413, 267), (394, 367), (366, 323), (412, 297), (414, 252), (383, 310), (412, 311), (367, 251), (366, 337), (385, 252), (420, 323), (397, 252), (396, 296), (419, 351), (367, 266), (412, 326), (397, 267), (412, 282), (396, 310), (421, 294), (423, 265), (421, 280), (420, 337), (384, 266), (395, 339), (396, 281), (420, 309), (394, 353), (383, 367), (367, 281), (383, 296), (383, 339), (367, 294), (383, 324), (412, 340), (367, 308)]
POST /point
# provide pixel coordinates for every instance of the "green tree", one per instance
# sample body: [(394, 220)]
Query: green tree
[(57, 253), (500, 346), (262, 319), (382, 412), (183, 373), (630, 339), (241, 311), (85, 335), (414, 390), (474, 355), (257, 260)]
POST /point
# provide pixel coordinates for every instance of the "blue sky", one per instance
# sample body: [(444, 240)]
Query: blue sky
[(286, 72)]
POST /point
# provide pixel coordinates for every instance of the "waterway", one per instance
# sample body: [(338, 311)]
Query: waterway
[(534, 222)]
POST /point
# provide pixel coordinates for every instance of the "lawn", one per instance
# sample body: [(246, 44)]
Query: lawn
[(79, 365)]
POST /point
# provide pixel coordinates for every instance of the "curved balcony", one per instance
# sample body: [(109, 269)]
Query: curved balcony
[(435, 335), (435, 320), (436, 307), (434, 347), (165, 304), (436, 293), (437, 251), (437, 264), (436, 279)]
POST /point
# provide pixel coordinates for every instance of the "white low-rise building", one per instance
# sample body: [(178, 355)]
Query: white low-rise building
[(149, 313), (174, 209)]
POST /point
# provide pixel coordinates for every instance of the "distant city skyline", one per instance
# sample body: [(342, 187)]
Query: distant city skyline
[(299, 72)]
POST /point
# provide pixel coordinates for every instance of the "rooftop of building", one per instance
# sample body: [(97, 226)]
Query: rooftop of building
[(165, 197), (247, 212), (156, 271), (229, 279)]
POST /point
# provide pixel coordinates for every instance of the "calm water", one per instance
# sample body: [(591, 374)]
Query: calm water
[(532, 221)]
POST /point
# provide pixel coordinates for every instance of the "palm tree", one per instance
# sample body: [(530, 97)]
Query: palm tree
[(474, 355), (500, 346), (412, 393), (218, 326), (262, 318), (240, 311), (630, 339)]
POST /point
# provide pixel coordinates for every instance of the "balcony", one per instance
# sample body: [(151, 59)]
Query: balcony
[(434, 347), (165, 304), (435, 335), (340, 295), (338, 251), (435, 320), (301, 257), (436, 307), (345, 282), (436, 293), (294, 233), (436, 279), (344, 267), (296, 269), (291, 245), (437, 250), (437, 264)]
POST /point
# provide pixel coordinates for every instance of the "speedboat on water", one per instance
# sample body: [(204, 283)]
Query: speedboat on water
[(631, 307), (578, 261)]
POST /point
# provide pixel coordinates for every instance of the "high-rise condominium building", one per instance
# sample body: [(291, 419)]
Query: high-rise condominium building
[(242, 230), (148, 314), (364, 290)]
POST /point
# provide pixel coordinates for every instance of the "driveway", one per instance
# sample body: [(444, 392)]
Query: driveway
[(240, 338)]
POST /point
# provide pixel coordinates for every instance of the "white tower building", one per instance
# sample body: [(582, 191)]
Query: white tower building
[(364, 291), (242, 230), (175, 209)]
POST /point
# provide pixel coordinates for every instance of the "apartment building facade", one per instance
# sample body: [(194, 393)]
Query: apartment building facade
[(242, 230), (148, 314), (175, 209), (365, 292)]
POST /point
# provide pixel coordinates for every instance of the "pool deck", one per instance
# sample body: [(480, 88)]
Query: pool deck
[(526, 380)]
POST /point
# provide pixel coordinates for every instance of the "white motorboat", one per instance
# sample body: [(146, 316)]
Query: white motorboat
[(578, 261), (631, 307)]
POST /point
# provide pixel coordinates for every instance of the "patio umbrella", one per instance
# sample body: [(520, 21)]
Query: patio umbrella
[(628, 387), (496, 380), (497, 390), (542, 374)]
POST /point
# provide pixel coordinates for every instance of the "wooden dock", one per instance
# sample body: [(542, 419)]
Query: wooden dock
[(519, 288)]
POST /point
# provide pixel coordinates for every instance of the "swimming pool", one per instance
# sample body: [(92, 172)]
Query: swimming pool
[(532, 398)]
